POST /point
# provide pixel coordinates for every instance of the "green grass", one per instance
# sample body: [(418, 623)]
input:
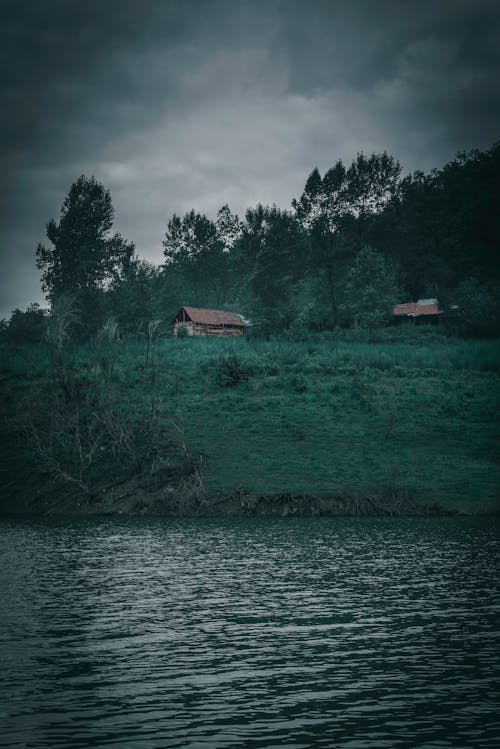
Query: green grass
[(319, 418)]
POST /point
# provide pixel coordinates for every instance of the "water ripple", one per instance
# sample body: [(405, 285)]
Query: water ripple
[(297, 633)]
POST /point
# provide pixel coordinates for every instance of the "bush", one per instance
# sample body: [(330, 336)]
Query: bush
[(477, 310), (231, 371), (298, 383), (25, 326)]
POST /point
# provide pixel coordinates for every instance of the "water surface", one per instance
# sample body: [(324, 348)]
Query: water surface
[(358, 634)]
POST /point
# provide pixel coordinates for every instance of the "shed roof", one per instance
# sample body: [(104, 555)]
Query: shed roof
[(414, 309), (211, 316)]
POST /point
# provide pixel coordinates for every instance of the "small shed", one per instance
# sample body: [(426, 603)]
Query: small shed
[(426, 309), (209, 322)]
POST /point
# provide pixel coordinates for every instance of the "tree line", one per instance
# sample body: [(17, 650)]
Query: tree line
[(358, 240)]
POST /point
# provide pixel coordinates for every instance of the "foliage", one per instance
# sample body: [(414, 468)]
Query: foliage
[(369, 291), (308, 313), (24, 326), (231, 370), (365, 187), (335, 209), (477, 308), (96, 436), (196, 250), (273, 253), (445, 225), (131, 298), (84, 258), (85, 432), (295, 273)]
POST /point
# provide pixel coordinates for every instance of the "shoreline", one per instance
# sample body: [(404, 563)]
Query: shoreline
[(169, 503)]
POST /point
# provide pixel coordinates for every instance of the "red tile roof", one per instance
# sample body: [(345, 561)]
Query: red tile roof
[(415, 310), (210, 316)]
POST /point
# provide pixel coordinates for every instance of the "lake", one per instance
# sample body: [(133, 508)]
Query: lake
[(345, 633)]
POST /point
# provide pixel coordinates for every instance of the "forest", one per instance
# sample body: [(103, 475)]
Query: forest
[(358, 240)]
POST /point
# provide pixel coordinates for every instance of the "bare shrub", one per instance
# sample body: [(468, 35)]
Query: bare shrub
[(87, 432)]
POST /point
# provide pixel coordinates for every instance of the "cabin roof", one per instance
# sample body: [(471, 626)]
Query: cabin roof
[(415, 309), (210, 316)]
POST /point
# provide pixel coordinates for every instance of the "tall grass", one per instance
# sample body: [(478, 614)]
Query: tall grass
[(196, 357), (279, 355)]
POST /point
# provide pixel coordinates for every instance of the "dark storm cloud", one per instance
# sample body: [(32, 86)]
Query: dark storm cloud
[(429, 66), (183, 104)]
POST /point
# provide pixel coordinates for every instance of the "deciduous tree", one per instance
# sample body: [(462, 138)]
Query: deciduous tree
[(336, 209), (369, 291), (194, 250), (83, 257)]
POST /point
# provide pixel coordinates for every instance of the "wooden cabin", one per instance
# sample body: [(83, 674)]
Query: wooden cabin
[(427, 310), (209, 322)]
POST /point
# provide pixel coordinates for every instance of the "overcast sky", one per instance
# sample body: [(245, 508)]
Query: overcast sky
[(180, 104)]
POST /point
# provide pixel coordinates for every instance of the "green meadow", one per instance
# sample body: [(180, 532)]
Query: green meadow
[(326, 418)]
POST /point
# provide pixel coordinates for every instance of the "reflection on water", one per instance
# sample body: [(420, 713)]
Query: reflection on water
[(295, 633)]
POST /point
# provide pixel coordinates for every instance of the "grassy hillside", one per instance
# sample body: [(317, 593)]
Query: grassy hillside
[(250, 418)]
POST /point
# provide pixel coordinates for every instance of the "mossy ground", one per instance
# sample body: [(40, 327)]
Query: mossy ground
[(318, 419)]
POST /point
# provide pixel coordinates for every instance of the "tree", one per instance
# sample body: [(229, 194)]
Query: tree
[(130, 299), (229, 228), (336, 211), (444, 226), (25, 326), (84, 257), (477, 308), (196, 250), (365, 188), (369, 291), (273, 251)]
